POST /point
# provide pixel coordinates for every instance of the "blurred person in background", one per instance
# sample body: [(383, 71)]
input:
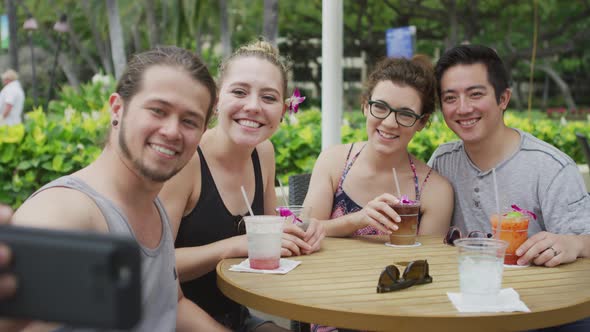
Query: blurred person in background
[(12, 99)]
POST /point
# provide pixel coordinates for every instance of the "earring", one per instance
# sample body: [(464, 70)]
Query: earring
[(115, 123)]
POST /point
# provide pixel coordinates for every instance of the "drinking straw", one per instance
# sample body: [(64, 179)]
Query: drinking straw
[(283, 192), (499, 226), (246, 200), (399, 194)]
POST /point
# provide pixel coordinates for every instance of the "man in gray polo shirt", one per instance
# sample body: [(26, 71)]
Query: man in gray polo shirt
[(474, 93)]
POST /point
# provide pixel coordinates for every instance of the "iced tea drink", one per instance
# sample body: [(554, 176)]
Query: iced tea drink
[(514, 230), (408, 226)]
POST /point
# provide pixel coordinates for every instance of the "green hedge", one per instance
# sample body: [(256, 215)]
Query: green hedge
[(47, 147)]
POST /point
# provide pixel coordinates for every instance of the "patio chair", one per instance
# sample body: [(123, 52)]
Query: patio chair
[(298, 185), (583, 140)]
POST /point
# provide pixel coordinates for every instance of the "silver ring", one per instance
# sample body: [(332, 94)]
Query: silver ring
[(554, 251)]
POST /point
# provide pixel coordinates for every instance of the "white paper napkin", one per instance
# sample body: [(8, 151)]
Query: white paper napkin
[(508, 300), (285, 265)]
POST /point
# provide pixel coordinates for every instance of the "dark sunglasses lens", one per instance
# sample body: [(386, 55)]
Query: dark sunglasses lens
[(416, 270), (389, 276), (452, 235)]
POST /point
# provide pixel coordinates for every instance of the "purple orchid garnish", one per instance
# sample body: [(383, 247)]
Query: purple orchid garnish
[(406, 200), (285, 212), (294, 101), (518, 209)]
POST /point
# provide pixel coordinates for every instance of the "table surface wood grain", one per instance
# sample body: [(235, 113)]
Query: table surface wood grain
[(337, 286)]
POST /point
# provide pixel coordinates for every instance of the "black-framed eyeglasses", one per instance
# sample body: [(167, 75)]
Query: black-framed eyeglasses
[(416, 273), (403, 117), (454, 233)]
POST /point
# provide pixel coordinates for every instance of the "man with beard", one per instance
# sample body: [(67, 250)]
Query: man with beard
[(159, 112)]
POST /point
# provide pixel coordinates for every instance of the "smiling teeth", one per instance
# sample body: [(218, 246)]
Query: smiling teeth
[(163, 150), (249, 123), (388, 136), (468, 122)]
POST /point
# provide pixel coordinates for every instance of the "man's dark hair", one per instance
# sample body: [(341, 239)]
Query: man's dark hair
[(130, 82), (473, 54)]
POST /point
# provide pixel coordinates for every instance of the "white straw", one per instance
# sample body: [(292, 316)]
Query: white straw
[(283, 192), (399, 193), (246, 200), (499, 225)]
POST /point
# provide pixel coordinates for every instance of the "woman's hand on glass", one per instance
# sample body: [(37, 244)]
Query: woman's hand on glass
[(379, 214)]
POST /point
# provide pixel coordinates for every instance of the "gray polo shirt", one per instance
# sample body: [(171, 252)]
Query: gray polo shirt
[(537, 177)]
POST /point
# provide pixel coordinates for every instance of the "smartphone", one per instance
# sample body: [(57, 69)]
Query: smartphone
[(78, 279)]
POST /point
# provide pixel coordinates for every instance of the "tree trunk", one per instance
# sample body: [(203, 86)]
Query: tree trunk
[(66, 66), (136, 39), (225, 32), (453, 37), (99, 42), (12, 30), (116, 34), (271, 21), (198, 33), (561, 84), (83, 52), (154, 29), (517, 96)]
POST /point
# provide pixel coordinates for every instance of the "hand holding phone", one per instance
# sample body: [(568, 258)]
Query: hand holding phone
[(75, 278), (7, 281)]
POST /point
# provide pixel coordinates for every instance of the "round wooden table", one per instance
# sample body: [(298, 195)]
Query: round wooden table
[(337, 287)]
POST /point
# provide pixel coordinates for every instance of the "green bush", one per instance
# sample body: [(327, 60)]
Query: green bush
[(89, 97), (42, 150), (298, 142), (47, 147)]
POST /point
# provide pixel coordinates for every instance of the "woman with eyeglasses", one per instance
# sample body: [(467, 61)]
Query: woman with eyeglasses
[(352, 186)]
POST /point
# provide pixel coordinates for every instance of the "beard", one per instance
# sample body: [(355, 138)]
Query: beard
[(153, 174)]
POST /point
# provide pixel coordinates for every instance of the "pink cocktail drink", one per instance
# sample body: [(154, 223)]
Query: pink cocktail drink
[(264, 235), (264, 264)]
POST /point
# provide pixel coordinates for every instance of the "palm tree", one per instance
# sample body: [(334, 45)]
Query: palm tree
[(116, 34), (271, 20), (225, 32), (12, 28)]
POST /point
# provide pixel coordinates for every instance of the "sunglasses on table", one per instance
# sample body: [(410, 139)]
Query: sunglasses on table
[(416, 273), (454, 233)]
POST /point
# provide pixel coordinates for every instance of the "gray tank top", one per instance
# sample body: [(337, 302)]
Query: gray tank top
[(158, 273)]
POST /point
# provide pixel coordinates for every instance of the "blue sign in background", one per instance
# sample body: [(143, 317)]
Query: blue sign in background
[(400, 42)]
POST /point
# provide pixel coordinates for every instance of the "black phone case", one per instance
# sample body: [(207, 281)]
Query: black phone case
[(79, 279)]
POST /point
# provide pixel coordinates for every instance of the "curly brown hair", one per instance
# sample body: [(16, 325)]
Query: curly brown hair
[(417, 73)]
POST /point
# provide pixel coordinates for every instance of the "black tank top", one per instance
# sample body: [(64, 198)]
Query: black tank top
[(208, 222)]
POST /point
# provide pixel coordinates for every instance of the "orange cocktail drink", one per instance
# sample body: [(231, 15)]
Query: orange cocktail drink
[(514, 230)]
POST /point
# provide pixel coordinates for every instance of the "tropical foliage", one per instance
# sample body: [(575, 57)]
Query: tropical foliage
[(44, 149)]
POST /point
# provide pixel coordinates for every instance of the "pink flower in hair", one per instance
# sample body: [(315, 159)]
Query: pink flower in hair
[(294, 101)]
